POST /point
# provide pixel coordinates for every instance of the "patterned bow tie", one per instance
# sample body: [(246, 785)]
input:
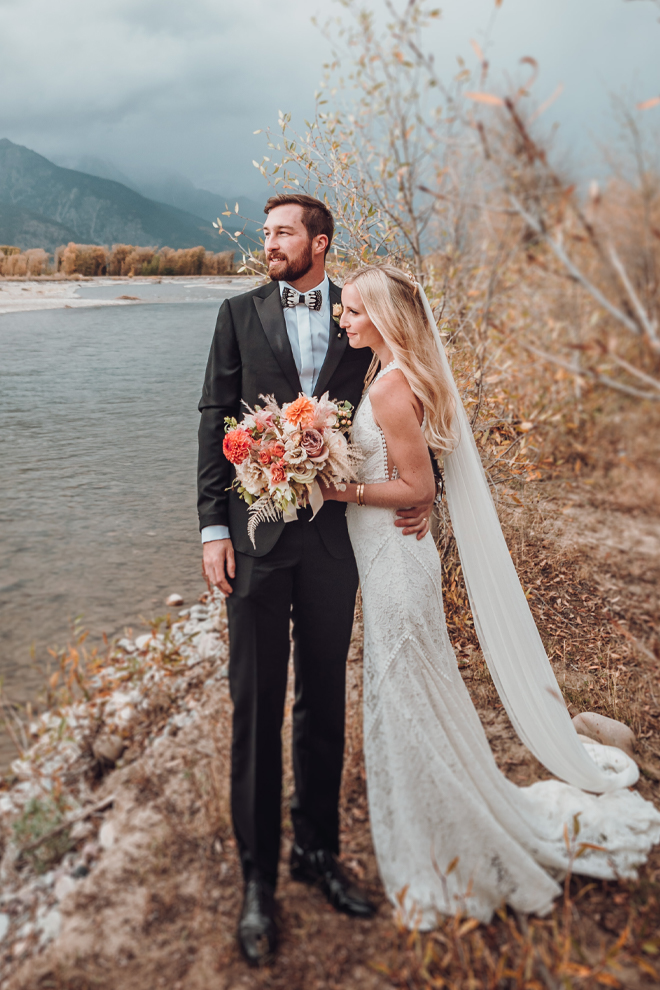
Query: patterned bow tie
[(292, 298)]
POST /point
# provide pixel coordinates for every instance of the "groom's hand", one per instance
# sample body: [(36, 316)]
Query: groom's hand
[(218, 564), (414, 521)]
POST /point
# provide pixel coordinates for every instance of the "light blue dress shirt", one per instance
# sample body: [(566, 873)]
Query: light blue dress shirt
[(308, 331)]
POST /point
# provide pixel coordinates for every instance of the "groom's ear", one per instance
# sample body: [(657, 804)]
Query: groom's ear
[(320, 244)]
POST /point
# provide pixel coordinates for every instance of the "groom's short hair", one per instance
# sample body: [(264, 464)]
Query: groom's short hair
[(316, 217)]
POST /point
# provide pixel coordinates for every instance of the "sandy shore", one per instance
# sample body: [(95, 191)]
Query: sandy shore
[(21, 296)]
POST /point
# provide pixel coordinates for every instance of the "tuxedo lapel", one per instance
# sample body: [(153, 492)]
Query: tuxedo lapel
[(336, 346), (269, 310)]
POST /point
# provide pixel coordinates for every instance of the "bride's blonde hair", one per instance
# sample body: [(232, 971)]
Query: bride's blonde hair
[(395, 308)]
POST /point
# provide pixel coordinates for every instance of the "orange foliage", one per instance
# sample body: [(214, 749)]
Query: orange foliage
[(13, 261)]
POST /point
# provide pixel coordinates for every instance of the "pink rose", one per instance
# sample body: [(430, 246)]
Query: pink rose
[(312, 443)]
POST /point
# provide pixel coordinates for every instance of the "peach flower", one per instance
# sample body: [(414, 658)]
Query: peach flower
[(277, 473), (301, 412)]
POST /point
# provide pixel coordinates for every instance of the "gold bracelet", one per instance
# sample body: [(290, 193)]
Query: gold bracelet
[(360, 494)]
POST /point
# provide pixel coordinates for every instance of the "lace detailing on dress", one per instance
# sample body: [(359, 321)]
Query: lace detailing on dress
[(434, 789)]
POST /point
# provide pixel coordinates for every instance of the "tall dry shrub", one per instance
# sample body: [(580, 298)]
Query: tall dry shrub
[(139, 259), (117, 257), (37, 261), (14, 264), (83, 259), (221, 263)]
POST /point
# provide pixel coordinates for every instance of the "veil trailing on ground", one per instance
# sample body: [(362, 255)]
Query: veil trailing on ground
[(509, 639)]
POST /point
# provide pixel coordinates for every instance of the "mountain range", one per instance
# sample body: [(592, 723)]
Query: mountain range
[(44, 205)]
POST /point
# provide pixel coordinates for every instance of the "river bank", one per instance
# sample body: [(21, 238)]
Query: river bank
[(22, 294), (146, 890)]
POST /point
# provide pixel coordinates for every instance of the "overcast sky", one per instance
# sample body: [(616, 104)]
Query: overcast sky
[(182, 84)]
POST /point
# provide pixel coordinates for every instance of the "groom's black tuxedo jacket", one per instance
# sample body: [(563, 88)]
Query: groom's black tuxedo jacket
[(251, 356)]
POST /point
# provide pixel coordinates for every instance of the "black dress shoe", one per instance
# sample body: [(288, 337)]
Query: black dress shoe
[(257, 931), (321, 868)]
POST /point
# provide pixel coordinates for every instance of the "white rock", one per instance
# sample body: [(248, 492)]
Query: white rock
[(63, 887), (199, 612), (208, 645), (127, 645), (4, 925), (607, 731), (174, 600), (108, 747), (51, 924), (145, 642), (107, 835)]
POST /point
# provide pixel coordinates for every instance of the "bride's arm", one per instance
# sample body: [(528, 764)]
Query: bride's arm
[(394, 408)]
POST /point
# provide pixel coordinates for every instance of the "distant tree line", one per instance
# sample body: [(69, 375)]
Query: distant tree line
[(120, 259)]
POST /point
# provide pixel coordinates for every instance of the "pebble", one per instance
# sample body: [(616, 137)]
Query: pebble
[(107, 835), (208, 645), (147, 641), (81, 830), (63, 887), (108, 748), (4, 925), (174, 599), (51, 924), (607, 731), (127, 645), (199, 612)]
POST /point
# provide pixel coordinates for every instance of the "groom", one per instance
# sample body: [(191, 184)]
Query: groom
[(280, 339)]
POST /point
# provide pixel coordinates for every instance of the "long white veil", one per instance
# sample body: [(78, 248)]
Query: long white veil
[(506, 629)]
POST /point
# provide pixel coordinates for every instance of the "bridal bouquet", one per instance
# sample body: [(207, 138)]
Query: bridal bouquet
[(279, 453)]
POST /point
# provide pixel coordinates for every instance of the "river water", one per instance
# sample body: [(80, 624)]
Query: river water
[(98, 424)]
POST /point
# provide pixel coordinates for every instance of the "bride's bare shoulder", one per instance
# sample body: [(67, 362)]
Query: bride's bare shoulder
[(392, 396)]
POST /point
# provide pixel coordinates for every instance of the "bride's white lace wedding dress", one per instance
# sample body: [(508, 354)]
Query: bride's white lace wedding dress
[(435, 791)]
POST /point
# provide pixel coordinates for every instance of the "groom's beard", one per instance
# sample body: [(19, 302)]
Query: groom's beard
[(283, 269)]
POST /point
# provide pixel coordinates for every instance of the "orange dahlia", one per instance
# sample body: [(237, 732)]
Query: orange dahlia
[(236, 445), (301, 412)]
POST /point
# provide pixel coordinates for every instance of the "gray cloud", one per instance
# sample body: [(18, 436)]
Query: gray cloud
[(182, 84)]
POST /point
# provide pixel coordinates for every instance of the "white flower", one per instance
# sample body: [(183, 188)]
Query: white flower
[(304, 476)]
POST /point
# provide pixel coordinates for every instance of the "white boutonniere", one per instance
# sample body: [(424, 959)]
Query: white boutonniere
[(337, 310)]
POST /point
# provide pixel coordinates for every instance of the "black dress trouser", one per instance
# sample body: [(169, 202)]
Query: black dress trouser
[(297, 580)]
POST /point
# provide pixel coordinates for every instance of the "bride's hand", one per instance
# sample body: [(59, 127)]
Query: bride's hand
[(329, 492)]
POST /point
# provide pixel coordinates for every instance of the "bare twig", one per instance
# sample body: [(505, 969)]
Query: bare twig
[(579, 276), (594, 375), (632, 370), (63, 826), (649, 327)]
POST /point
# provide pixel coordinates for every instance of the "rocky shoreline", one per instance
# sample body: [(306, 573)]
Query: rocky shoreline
[(61, 818)]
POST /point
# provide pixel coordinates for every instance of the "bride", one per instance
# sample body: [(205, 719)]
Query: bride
[(450, 831)]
